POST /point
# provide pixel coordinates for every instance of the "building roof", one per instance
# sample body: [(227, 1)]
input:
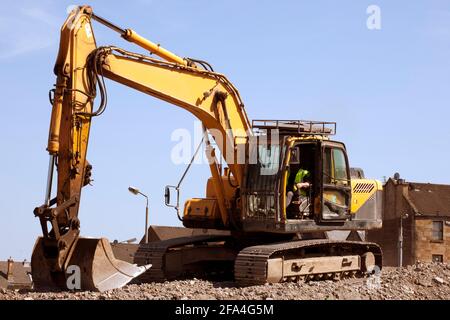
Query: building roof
[(21, 278), (429, 199)]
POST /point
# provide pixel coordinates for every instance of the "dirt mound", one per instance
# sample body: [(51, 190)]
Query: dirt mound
[(421, 281)]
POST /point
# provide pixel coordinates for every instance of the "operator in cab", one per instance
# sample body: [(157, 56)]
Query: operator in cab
[(299, 188)]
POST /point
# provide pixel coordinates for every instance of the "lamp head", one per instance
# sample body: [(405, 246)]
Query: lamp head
[(133, 190)]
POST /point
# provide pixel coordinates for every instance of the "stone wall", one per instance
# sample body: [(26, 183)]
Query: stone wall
[(425, 246)]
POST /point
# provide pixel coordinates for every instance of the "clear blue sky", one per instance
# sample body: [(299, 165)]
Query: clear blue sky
[(388, 90)]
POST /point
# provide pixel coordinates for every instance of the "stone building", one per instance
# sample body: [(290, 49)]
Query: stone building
[(416, 218)]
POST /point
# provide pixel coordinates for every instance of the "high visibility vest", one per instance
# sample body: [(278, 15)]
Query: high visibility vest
[(299, 177)]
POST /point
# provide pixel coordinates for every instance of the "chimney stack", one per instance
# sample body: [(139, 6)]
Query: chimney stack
[(9, 273)]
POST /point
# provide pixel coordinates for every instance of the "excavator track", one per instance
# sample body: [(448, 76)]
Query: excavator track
[(252, 263), (155, 253)]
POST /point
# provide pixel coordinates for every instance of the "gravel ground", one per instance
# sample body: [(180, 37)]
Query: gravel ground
[(421, 281)]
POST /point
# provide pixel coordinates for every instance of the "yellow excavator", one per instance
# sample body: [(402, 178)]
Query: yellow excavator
[(286, 184)]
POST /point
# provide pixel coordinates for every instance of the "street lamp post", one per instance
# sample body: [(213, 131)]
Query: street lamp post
[(136, 191), (400, 240)]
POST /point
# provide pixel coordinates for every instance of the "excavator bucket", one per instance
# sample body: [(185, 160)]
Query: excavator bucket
[(92, 266)]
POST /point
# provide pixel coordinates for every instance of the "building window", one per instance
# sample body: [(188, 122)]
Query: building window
[(437, 258), (438, 231)]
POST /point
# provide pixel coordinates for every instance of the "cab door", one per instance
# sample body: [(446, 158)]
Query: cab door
[(336, 184)]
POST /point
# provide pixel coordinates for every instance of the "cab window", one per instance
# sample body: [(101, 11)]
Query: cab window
[(334, 167), (340, 166)]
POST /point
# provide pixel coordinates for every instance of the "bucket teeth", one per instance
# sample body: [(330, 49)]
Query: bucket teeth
[(92, 266)]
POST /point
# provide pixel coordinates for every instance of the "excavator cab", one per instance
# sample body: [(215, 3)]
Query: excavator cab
[(270, 181)]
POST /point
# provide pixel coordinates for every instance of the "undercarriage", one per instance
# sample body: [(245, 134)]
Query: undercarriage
[(256, 264)]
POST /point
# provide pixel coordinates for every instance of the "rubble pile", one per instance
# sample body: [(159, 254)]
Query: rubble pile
[(420, 281)]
